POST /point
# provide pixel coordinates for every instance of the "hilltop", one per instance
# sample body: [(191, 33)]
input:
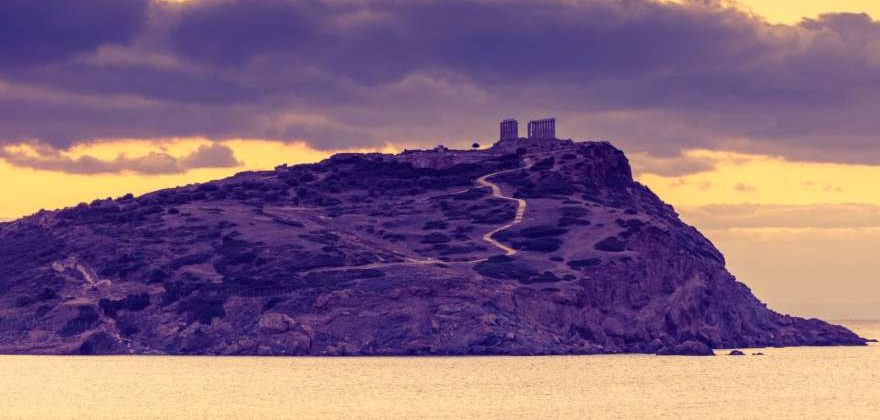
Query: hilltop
[(528, 247)]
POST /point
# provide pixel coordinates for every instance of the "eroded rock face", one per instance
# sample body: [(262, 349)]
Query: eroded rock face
[(386, 255)]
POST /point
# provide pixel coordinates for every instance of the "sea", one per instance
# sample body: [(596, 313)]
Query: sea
[(783, 383)]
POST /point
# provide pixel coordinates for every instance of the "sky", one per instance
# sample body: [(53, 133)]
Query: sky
[(755, 119)]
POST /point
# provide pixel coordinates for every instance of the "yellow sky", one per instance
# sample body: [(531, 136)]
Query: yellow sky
[(792, 11), (32, 190), (802, 235), (789, 11), (740, 178)]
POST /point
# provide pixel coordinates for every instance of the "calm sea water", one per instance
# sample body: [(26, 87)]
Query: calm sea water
[(785, 383)]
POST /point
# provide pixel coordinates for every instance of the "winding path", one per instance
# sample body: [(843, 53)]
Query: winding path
[(483, 181)]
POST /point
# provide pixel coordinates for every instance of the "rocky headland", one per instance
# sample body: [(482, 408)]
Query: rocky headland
[(526, 248)]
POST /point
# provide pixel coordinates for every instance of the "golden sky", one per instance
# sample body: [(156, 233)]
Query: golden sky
[(802, 235), (35, 189), (790, 11)]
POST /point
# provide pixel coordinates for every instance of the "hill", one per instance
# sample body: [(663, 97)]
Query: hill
[(529, 247)]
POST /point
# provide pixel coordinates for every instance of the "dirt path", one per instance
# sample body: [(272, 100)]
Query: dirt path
[(521, 204), (482, 182)]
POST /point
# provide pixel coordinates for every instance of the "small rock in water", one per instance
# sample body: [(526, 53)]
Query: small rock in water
[(688, 348), (736, 353)]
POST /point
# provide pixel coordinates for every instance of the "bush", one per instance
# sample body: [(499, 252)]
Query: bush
[(611, 244), (193, 259), (435, 238), (592, 262), (574, 211), (545, 277), (542, 231), (23, 300), (202, 309), (570, 221), (539, 245), (130, 303), (43, 295), (435, 225), (86, 320), (544, 164), (504, 269)]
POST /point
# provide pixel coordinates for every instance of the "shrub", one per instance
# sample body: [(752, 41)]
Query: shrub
[(542, 231), (131, 302), (193, 259), (592, 262), (23, 300), (435, 225), (504, 269), (539, 244), (83, 322), (544, 164), (545, 277), (435, 238), (611, 244), (202, 309), (569, 221)]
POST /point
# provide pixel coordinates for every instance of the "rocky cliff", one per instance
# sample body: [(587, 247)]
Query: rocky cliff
[(530, 247)]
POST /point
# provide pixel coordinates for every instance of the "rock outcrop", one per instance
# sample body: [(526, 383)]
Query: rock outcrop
[(557, 251)]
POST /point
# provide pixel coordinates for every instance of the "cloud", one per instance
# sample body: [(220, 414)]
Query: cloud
[(753, 216), (654, 77), (674, 166), (39, 31), (46, 157), (744, 188)]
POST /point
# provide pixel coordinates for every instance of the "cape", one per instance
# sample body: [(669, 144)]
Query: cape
[(530, 247)]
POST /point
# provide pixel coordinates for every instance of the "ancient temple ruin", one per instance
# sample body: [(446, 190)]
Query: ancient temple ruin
[(538, 129), (542, 129), (509, 129)]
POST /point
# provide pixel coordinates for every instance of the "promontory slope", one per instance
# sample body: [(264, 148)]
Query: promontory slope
[(529, 247)]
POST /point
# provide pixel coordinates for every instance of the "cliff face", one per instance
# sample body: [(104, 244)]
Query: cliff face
[(528, 248)]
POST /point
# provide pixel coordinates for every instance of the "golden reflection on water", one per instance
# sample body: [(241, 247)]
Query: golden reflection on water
[(785, 383)]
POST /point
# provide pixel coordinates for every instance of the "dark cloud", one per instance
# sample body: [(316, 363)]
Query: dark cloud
[(37, 31), (45, 157), (652, 77), (232, 32)]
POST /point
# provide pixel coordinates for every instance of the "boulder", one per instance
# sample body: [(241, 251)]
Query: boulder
[(687, 348)]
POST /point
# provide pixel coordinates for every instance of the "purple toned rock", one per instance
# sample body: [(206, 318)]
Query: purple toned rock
[(530, 247), (687, 348)]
